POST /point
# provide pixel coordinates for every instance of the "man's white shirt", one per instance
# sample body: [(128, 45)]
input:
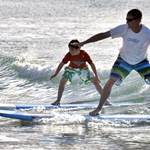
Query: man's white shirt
[(135, 45)]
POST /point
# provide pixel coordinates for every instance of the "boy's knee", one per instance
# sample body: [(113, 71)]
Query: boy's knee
[(94, 80), (63, 80)]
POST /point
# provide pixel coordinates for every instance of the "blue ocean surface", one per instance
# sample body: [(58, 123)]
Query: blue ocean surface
[(34, 36)]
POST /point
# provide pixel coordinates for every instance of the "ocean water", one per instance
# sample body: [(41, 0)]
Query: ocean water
[(33, 39)]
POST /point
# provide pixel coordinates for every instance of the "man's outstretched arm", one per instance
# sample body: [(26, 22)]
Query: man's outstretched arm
[(97, 37)]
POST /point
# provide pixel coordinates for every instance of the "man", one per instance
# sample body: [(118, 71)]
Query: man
[(132, 55)]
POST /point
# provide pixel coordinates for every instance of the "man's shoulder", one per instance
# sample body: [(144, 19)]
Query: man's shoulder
[(146, 31), (119, 31), (145, 28), (122, 26)]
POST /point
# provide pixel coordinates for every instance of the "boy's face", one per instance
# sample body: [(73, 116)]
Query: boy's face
[(74, 50)]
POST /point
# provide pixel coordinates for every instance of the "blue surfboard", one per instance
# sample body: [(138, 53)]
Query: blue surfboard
[(22, 116)]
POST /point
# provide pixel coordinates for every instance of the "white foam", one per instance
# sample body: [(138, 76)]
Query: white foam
[(144, 89), (66, 118), (33, 72), (4, 138)]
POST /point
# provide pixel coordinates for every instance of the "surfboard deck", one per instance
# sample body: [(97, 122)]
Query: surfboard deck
[(49, 106), (45, 106), (30, 117)]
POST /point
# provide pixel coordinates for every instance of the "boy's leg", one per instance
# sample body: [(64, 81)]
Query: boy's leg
[(60, 91), (106, 93), (97, 85), (99, 89)]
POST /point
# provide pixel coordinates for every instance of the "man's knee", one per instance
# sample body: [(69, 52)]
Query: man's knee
[(110, 82), (147, 80)]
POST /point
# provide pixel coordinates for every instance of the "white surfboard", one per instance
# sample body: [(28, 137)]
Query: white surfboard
[(31, 117), (46, 106), (61, 106)]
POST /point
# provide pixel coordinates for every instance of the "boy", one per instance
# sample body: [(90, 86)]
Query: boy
[(77, 66)]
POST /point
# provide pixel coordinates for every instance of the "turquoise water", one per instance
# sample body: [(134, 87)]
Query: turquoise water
[(33, 40)]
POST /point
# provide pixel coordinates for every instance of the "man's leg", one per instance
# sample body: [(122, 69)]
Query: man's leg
[(143, 68), (60, 91), (119, 72), (99, 89), (105, 94)]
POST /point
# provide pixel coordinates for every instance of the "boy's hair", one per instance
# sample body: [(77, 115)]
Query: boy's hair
[(136, 13), (74, 43)]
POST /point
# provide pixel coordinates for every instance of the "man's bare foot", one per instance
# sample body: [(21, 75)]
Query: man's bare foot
[(94, 113), (56, 103)]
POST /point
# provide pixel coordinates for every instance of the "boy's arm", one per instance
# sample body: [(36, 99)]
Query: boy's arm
[(57, 70), (97, 37), (94, 70)]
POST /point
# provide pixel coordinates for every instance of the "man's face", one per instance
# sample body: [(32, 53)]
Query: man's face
[(133, 21)]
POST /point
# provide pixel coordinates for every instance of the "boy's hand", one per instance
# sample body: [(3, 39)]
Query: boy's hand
[(97, 78), (54, 75)]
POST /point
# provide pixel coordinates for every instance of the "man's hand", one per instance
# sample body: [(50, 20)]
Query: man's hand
[(94, 113), (81, 44)]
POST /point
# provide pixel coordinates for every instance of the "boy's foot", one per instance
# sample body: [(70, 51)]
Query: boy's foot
[(56, 103)]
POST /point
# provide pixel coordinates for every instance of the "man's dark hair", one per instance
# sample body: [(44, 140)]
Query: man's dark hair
[(136, 13)]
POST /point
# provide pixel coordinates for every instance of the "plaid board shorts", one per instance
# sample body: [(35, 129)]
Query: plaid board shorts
[(84, 75), (121, 69)]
